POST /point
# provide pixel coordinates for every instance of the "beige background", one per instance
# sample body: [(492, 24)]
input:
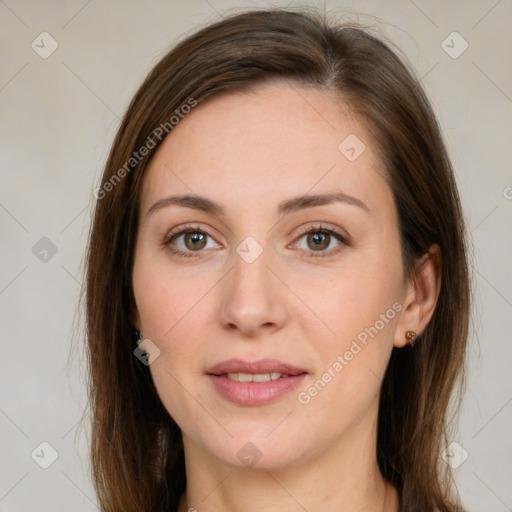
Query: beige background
[(58, 117)]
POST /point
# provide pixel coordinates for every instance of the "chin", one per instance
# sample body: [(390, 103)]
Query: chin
[(258, 451)]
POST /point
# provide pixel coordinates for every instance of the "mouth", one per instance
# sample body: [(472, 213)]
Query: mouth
[(254, 382), (264, 367), (254, 377)]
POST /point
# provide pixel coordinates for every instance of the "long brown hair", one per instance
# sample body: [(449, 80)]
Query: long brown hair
[(136, 447)]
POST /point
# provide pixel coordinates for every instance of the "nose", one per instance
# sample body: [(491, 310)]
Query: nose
[(254, 298)]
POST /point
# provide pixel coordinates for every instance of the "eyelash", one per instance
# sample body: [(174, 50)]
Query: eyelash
[(311, 229)]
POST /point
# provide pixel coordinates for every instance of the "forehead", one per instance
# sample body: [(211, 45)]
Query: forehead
[(275, 141)]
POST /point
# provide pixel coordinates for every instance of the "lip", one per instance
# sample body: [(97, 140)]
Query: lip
[(254, 393), (261, 366)]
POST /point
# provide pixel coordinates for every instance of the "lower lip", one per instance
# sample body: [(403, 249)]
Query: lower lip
[(255, 393)]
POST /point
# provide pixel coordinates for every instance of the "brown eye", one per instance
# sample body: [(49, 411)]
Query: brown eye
[(195, 240), (318, 241), (189, 242)]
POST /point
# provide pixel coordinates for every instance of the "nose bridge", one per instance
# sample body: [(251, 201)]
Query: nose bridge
[(252, 297)]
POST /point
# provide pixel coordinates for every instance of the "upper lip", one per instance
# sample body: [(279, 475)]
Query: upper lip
[(254, 367)]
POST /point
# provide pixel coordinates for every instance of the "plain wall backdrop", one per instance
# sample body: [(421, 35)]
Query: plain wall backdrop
[(60, 107)]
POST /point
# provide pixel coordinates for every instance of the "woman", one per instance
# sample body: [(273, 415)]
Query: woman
[(277, 284)]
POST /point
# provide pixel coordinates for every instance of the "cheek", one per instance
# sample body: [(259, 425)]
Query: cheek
[(358, 309), (350, 300), (169, 319), (168, 308), (351, 364), (164, 299)]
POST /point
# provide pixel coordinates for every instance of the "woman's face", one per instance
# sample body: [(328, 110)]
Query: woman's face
[(249, 287)]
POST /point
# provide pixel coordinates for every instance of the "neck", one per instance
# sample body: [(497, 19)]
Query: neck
[(345, 477)]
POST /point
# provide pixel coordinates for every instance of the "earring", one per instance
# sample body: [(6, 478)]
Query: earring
[(138, 337), (410, 336)]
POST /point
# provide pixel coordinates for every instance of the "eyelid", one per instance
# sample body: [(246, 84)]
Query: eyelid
[(182, 229), (319, 226)]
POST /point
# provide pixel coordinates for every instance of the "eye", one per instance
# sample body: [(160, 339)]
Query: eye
[(318, 238), (188, 241)]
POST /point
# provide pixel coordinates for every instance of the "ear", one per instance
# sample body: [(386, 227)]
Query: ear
[(420, 296)]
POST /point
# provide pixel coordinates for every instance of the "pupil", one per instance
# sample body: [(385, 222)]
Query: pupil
[(317, 239), (193, 238)]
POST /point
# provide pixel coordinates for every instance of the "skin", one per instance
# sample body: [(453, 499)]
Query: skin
[(249, 152)]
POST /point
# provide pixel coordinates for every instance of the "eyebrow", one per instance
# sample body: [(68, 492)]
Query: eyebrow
[(290, 205)]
